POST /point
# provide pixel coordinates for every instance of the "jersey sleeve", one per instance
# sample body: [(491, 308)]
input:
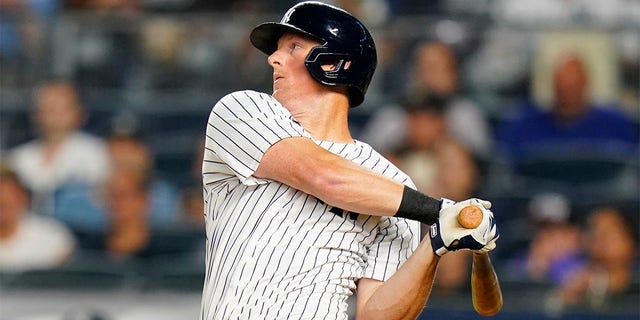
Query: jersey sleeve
[(395, 242), (243, 125)]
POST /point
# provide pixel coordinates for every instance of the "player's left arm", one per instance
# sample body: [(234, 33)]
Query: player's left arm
[(404, 294)]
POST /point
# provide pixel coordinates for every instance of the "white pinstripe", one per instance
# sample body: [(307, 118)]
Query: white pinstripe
[(274, 252)]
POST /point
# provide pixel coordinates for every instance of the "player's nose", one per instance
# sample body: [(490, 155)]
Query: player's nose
[(273, 59)]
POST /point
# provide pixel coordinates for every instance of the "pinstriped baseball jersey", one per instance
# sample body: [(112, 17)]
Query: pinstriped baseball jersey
[(274, 252)]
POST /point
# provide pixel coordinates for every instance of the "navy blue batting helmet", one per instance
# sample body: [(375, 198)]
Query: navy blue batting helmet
[(344, 40)]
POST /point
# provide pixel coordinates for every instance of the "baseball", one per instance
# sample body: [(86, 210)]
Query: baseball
[(470, 217)]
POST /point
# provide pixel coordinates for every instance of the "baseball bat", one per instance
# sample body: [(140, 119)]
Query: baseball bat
[(485, 287)]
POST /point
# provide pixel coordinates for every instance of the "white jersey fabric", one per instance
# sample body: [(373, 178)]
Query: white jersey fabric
[(275, 252)]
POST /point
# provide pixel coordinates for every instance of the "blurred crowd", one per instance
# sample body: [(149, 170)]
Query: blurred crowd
[(104, 102)]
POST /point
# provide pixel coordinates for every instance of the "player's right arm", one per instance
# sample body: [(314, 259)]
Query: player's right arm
[(302, 164), (256, 138)]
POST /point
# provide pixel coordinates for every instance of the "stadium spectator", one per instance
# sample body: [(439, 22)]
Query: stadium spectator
[(125, 203), (115, 57), (425, 127), (127, 206), (457, 175), (25, 28), (82, 208), (428, 150), (130, 232), (130, 153), (553, 249), (61, 153), (610, 243), (28, 240), (573, 126), (434, 74)]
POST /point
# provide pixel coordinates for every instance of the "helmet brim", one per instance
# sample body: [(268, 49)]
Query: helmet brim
[(265, 36)]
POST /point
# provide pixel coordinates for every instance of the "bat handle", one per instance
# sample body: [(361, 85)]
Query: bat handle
[(485, 287)]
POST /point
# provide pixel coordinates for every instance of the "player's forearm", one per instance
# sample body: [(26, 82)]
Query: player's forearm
[(355, 189), (300, 163), (369, 193), (403, 296)]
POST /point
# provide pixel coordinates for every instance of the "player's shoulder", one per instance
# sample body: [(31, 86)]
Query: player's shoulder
[(243, 95), (247, 101)]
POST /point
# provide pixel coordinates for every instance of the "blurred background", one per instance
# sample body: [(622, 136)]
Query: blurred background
[(532, 104)]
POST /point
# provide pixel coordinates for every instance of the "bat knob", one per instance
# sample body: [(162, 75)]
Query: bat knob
[(470, 217)]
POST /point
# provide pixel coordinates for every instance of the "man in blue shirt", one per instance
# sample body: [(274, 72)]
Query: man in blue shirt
[(572, 128)]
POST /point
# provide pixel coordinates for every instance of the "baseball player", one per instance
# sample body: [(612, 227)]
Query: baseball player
[(299, 215)]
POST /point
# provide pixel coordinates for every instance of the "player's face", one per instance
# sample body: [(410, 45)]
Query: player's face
[(291, 80)]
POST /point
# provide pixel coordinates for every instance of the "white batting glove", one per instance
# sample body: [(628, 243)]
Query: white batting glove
[(447, 234)]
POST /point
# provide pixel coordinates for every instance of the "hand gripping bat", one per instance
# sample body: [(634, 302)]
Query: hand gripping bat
[(485, 288)]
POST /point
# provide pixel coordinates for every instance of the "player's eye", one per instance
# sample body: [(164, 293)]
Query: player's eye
[(294, 45)]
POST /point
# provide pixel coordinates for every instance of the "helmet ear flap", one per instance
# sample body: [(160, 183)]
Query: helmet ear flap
[(347, 71)]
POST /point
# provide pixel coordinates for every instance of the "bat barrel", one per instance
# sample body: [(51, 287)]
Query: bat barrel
[(485, 287)]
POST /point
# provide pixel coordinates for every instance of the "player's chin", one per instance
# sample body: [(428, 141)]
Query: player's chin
[(278, 94)]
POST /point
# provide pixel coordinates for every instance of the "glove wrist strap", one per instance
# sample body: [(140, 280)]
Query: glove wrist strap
[(436, 240), (437, 244)]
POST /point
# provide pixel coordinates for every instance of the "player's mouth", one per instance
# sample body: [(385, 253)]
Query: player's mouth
[(276, 77)]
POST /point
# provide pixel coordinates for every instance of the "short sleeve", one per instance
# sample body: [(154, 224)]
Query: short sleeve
[(243, 125)]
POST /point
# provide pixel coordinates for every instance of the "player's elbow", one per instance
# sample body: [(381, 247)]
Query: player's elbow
[(328, 184)]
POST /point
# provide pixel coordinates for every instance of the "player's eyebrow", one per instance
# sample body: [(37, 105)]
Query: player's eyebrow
[(293, 36)]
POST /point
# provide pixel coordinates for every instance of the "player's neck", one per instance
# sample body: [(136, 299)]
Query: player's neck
[(325, 119)]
